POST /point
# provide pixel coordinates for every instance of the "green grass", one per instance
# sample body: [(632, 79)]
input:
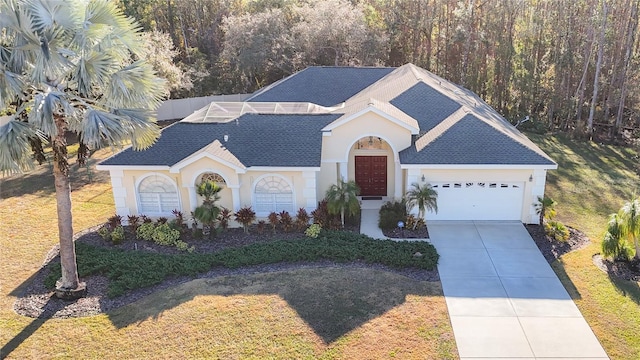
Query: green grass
[(275, 316), (133, 270), (591, 182)]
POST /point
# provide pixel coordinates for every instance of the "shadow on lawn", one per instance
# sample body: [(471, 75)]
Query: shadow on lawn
[(627, 288), (40, 180), (332, 301), (558, 268)]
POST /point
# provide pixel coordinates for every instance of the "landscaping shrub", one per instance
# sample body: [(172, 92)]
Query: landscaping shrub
[(223, 218), (313, 231), (134, 222), (556, 230), (133, 270), (145, 231), (104, 233), (302, 219), (286, 221), (414, 222), (390, 213), (114, 221), (178, 222), (273, 220), (246, 216), (616, 248), (117, 235), (322, 217), (260, 227), (163, 234)]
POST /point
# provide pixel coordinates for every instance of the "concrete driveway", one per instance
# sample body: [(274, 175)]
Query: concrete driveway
[(504, 299)]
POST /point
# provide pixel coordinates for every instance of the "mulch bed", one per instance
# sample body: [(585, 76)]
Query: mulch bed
[(552, 250), (37, 301), (624, 270), (397, 233)]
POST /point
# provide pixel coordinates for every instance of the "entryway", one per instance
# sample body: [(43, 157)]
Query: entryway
[(371, 175)]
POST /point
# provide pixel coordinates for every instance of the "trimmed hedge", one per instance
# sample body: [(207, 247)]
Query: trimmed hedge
[(129, 270)]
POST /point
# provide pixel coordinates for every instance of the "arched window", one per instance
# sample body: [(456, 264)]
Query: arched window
[(157, 195), (211, 176), (273, 193)]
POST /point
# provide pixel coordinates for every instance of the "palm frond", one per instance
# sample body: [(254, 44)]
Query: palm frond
[(45, 105), (15, 148), (100, 127), (135, 86)]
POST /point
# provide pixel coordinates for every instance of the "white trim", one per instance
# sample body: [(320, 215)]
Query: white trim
[(175, 169), (208, 170), (253, 193), (394, 152), (477, 166), (282, 168), (132, 167), (376, 111), (137, 193)]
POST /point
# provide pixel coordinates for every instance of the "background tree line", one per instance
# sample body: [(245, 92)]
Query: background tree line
[(571, 65)]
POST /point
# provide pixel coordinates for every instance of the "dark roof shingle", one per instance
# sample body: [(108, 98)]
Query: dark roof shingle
[(322, 85), (254, 139), (425, 104), (472, 141)]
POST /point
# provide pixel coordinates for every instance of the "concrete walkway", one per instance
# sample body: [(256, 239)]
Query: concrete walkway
[(369, 215), (504, 299)]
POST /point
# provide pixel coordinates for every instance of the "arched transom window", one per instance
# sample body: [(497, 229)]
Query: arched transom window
[(211, 176), (158, 195), (273, 193)]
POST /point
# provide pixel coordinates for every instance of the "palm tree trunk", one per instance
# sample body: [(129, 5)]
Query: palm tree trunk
[(69, 279), (636, 243), (342, 216)]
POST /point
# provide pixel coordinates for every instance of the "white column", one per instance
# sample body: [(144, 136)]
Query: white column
[(309, 190), (536, 186), (344, 171), (193, 197), (413, 176), (235, 194), (119, 194), (398, 181)]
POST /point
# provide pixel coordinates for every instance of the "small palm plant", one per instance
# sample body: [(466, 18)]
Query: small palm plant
[(423, 197), (614, 244), (208, 212), (545, 208), (342, 199), (630, 216)]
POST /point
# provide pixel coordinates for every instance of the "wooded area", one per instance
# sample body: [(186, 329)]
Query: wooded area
[(571, 65)]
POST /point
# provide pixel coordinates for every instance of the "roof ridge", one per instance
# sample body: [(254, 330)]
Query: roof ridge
[(441, 128)]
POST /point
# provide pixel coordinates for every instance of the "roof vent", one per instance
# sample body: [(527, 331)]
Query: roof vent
[(226, 138)]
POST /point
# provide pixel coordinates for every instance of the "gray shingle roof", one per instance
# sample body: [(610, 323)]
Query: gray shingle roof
[(425, 104), (322, 85), (472, 141), (254, 139)]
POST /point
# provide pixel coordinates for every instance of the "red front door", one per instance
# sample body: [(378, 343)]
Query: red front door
[(371, 175)]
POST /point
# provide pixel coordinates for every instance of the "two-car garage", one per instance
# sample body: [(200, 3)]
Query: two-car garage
[(478, 200)]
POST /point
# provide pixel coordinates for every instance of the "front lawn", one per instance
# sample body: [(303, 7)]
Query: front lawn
[(591, 182), (288, 314)]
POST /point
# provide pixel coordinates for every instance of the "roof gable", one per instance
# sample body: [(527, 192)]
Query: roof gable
[(321, 85), (473, 141), (425, 104)]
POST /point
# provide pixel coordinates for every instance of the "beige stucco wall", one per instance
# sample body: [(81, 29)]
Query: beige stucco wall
[(338, 151)]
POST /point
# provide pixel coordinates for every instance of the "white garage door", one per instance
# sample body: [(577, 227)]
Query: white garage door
[(478, 201)]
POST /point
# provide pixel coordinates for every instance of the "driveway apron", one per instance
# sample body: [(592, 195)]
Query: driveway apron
[(504, 299)]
